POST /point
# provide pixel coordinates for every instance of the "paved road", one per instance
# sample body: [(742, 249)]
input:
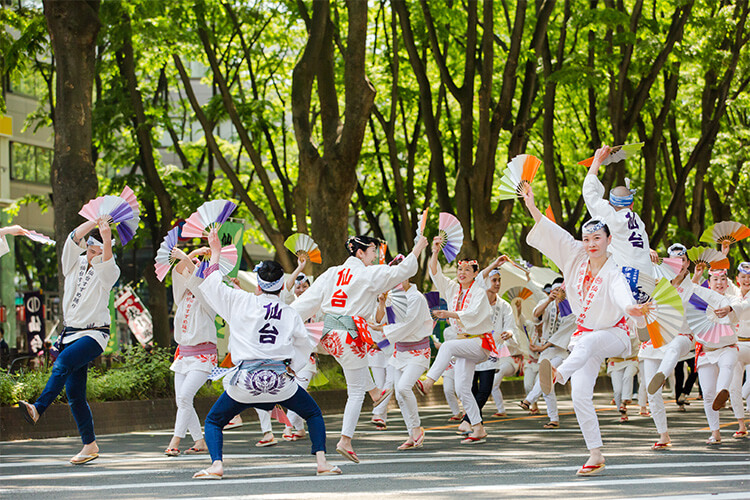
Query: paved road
[(520, 459)]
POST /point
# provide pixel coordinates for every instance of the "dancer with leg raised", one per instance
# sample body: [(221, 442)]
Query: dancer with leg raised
[(601, 299)]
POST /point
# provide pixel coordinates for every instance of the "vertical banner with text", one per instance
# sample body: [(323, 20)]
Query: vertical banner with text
[(33, 305), (129, 305)]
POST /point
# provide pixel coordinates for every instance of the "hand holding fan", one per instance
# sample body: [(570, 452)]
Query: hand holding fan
[(227, 261), (709, 257), (452, 233), (210, 214), (421, 222), (163, 260), (664, 317), (702, 320), (616, 154), (517, 176), (727, 231), (641, 284), (118, 209), (397, 307), (302, 244), (39, 237)]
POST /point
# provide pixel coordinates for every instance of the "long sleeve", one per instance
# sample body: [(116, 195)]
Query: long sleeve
[(446, 287), (107, 271), (508, 320), (220, 297), (309, 303), (303, 343), (554, 242), (70, 254), (593, 195), (387, 277)]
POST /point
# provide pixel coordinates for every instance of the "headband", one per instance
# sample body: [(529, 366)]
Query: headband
[(556, 286), (301, 277), (622, 201), (472, 262), (93, 242), (677, 250), (717, 272), (592, 225), (268, 286), (494, 272), (744, 267)]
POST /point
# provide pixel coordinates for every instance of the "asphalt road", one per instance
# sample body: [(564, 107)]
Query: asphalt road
[(519, 460)]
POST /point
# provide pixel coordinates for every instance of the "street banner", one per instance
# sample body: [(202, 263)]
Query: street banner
[(33, 305), (135, 313)]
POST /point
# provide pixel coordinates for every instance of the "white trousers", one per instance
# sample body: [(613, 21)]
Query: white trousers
[(656, 400), (642, 386), (746, 388), (506, 368), (550, 399), (186, 385), (677, 349), (403, 382), (622, 382), (468, 353), (582, 368), (303, 380), (736, 389), (358, 382), (530, 376), (715, 377), (264, 417), (384, 380), (449, 391)]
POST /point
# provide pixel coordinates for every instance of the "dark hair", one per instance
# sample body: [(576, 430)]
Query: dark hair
[(301, 278), (473, 263), (604, 226), (270, 270), (559, 279), (355, 243)]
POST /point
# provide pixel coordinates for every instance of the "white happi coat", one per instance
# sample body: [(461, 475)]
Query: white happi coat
[(604, 304), (502, 321), (194, 322), (350, 289), (263, 328), (474, 311), (87, 288), (557, 330), (630, 246), (743, 327), (417, 326)]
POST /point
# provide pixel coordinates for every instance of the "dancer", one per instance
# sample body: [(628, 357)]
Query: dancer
[(14, 230), (622, 372), (297, 282), (601, 299), (470, 315), (268, 338), (346, 294), (196, 355), (88, 282), (743, 333), (449, 378), (378, 360)]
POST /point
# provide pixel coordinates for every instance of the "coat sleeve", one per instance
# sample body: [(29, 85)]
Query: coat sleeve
[(107, 272), (309, 303), (219, 297), (386, 277), (593, 195), (447, 288), (70, 254), (554, 242), (476, 318)]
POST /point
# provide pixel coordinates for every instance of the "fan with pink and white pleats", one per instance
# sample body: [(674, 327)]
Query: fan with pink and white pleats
[(163, 259), (668, 267), (209, 215), (700, 316), (39, 237), (449, 228), (227, 261), (123, 211)]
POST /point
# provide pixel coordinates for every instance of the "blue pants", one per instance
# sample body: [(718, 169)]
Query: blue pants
[(70, 371), (226, 408)]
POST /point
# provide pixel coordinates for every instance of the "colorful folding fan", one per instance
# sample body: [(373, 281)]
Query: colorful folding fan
[(616, 153), (227, 261), (518, 291), (119, 209), (421, 222), (302, 244), (641, 284), (208, 215), (315, 330), (728, 231), (453, 235), (433, 300), (550, 214), (701, 318), (39, 237), (517, 176), (668, 267), (564, 307), (278, 413), (708, 256), (396, 308), (663, 322), (382, 249), (163, 259)]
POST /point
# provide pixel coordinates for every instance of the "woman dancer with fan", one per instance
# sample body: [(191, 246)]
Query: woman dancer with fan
[(712, 315), (268, 337), (196, 355), (743, 334), (345, 294), (601, 299), (88, 282), (469, 313)]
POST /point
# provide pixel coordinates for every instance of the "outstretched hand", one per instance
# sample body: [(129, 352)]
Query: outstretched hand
[(14, 230)]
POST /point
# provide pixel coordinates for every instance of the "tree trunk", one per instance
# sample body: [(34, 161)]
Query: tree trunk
[(73, 28)]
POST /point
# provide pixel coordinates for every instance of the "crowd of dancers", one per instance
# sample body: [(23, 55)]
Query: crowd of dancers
[(596, 313)]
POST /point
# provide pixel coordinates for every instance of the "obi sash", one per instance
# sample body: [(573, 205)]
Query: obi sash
[(412, 346), (622, 325), (355, 326), (69, 329), (204, 348)]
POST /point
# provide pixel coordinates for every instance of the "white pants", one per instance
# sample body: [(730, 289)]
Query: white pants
[(530, 376), (506, 368), (303, 380), (736, 389), (185, 387), (746, 388), (449, 391), (468, 353), (358, 382), (677, 349), (642, 385), (550, 399), (384, 380), (403, 381), (264, 417), (714, 377), (582, 368), (622, 382), (656, 400)]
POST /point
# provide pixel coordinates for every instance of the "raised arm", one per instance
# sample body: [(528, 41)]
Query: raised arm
[(528, 198), (301, 262)]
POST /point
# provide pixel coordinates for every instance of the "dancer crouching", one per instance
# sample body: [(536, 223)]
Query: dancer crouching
[(601, 299), (268, 338)]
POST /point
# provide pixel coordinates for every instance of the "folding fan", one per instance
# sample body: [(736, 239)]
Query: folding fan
[(227, 261), (708, 256), (701, 318), (550, 214), (318, 380), (39, 237), (564, 307), (433, 300), (381, 252), (453, 235), (129, 196), (641, 284), (278, 414), (302, 244), (118, 209), (518, 291), (421, 222), (210, 214), (517, 175), (668, 267), (616, 153), (315, 330), (163, 259), (664, 321), (396, 308), (729, 231)]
